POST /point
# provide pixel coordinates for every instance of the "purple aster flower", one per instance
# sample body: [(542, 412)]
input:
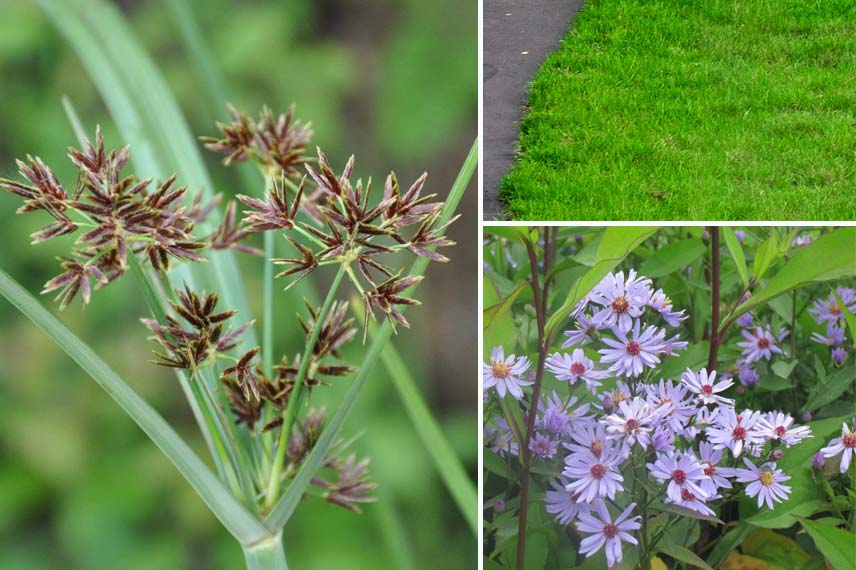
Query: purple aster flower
[(671, 403), (682, 470), (500, 438), (661, 303), (709, 457), (777, 426), (758, 344), (504, 373), (603, 531), (574, 367), (582, 334), (828, 310), (590, 438), (843, 445), (542, 446), (631, 423), (631, 356), (765, 482), (746, 320), (621, 300), (614, 397), (839, 354), (593, 476), (689, 500), (663, 439), (673, 345), (747, 376), (705, 386), (834, 335), (555, 419), (818, 461), (735, 431), (564, 505), (801, 240), (704, 418)]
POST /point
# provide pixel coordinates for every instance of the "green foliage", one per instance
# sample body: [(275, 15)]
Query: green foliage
[(692, 110), (836, 545)]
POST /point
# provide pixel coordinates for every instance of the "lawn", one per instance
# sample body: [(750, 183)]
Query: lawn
[(704, 109)]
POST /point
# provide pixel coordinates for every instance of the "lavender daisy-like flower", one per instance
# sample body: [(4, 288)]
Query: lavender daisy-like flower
[(590, 438), (542, 446), (574, 367), (704, 418), (555, 419), (582, 334), (834, 336), (758, 344), (765, 482), (593, 476), (500, 439), (704, 384), (663, 439), (747, 376), (629, 357), (504, 373), (564, 505), (777, 426), (631, 423), (682, 470), (614, 397), (844, 445), (709, 457), (735, 431), (661, 303), (671, 403), (621, 300), (839, 354), (829, 310), (746, 320), (603, 531), (673, 345)]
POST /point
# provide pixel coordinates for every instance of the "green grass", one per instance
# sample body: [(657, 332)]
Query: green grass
[(702, 109)]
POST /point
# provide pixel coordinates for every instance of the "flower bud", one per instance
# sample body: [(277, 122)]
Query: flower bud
[(817, 461), (777, 454), (806, 416), (498, 506)]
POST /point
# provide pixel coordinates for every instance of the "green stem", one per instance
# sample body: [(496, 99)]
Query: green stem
[(266, 555), (294, 398), (267, 331)]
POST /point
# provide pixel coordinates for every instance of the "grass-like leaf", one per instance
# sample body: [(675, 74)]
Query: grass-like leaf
[(448, 465), (243, 525)]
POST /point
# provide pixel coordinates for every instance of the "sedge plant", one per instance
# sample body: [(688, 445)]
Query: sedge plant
[(253, 404)]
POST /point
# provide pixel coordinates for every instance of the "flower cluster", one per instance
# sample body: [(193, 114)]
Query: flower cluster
[(345, 225), (829, 311), (684, 436), (117, 212)]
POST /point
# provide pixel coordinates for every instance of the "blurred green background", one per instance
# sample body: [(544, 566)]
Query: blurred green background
[(393, 81)]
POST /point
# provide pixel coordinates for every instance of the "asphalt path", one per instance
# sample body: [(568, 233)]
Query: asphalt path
[(518, 36)]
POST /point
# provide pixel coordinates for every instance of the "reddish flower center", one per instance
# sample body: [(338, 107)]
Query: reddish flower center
[(679, 475), (610, 530), (598, 470), (633, 348), (763, 342), (687, 495), (631, 425), (709, 468), (739, 432), (849, 439), (779, 431), (500, 369), (578, 369), (620, 305), (707, 390)]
